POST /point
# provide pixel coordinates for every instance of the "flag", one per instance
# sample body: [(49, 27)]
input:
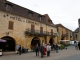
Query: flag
[(58, 34)]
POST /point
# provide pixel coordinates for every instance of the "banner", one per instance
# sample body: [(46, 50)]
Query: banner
[(58, 34)]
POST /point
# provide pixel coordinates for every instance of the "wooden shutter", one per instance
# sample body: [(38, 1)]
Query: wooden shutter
[(32, 28), (41, 29), (51, 31), (10, 25)]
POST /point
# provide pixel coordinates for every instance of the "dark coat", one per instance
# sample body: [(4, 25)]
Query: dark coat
[(42, 48)]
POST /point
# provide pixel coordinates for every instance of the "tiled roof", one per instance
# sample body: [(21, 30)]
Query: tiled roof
[(60, 25), (24, 12), (76, 31)]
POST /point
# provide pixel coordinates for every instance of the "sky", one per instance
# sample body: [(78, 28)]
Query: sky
[(65, 12)]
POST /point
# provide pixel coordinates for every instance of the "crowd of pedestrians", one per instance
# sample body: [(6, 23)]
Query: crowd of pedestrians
[(45, 49), (20, 49)]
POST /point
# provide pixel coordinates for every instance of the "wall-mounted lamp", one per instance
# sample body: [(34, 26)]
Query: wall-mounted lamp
[(7, 33)]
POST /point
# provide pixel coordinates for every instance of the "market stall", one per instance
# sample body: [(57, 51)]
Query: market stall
[(1, 41)]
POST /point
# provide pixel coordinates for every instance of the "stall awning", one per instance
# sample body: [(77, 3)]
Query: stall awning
[(2, 40)]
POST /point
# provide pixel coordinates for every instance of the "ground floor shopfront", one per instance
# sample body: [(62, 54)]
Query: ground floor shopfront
[(28, 42)]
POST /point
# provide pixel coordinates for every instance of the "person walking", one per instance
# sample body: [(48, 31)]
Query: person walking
[(42, 50), (48, 49), (79, 45), (37, 49), (17, 48), (20, 50), (56, 48), (76, 45)]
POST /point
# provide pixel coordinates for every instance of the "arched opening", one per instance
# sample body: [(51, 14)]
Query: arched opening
[(51, 41), (62, 38), (35, 41), (9, 45)]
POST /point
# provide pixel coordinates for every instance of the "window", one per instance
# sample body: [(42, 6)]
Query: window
[(51, 31), (31, 14), (41, 29), (9, 7), (50, 21), (76, 35), (32, 28), (40, 18), (11, 25)]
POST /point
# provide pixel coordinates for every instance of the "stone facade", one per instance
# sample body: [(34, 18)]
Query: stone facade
[(27, 28), (76, 34), (64, 33), (21, 31), (18, 32)]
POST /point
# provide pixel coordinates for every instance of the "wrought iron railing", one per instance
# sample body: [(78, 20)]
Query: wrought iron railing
[(66, 34), (38, 32)]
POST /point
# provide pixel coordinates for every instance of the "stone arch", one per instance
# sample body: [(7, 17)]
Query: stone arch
[(51, 41), (35, 41), (9, 45), (62, 37)]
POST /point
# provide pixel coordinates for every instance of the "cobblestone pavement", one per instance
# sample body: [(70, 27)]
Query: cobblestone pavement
[(70, 54)]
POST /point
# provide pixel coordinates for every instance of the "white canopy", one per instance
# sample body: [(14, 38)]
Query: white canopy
[(64, 40), (1, 40)]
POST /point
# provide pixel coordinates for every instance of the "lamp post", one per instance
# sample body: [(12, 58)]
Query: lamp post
[(7, 33)]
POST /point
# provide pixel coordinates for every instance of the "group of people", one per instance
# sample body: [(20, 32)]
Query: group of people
[(20, 49), (44, 49)]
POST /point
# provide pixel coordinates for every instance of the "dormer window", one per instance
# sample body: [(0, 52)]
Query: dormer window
[(40, 18), (50, 21), (30, 13), (9, 6)]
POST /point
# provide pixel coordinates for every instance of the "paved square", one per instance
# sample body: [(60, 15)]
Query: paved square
[(70, 54)]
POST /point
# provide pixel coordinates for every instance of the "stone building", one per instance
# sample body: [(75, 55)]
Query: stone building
[(25, 27), (76, 34), (64, 33)]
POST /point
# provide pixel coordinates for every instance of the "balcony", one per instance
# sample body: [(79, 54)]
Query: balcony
[(34, 32), (52, 34), (38, 32), (65, 35)]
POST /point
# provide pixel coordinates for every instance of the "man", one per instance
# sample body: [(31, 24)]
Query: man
[(48, 49), (37, 49), (17, 48), (42, 50), (20, 50), (79, 45)]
